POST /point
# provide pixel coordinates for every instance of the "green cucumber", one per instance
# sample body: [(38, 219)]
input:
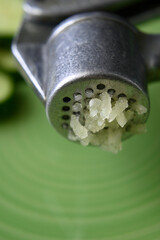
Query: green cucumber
[(6, 59), (7, 90), (10, 12)]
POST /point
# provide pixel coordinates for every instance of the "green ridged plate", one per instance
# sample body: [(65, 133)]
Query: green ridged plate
[(53, 189)]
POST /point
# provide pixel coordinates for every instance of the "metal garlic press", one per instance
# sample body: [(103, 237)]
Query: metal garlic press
[(70, 51)]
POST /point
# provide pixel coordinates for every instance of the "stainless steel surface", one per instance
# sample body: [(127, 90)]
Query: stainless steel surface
[(29, 48), (91, 49), (80, 53), (62, 8)]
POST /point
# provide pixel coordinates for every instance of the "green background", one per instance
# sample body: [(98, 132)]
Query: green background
[(51, 188)]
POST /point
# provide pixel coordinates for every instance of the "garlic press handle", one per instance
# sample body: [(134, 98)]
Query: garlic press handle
[(31, 48), (49, 9)]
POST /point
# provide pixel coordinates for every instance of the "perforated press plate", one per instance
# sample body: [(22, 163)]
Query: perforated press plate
[(64, 101)]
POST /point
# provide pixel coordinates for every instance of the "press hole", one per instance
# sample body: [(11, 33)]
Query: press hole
[(100, 86), (111, 91), (121, 95), (112, 101), (131, 100), (66, 99), (87, 100), (77, 96), (89, 92), (77, 107), (66, 108), (128, 108), (76, 113), (65, 125), (65, 117)]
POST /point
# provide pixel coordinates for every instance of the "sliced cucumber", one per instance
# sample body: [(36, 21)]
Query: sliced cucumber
[(10, 12), (6, 88), (7, 103), (6, 61)]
